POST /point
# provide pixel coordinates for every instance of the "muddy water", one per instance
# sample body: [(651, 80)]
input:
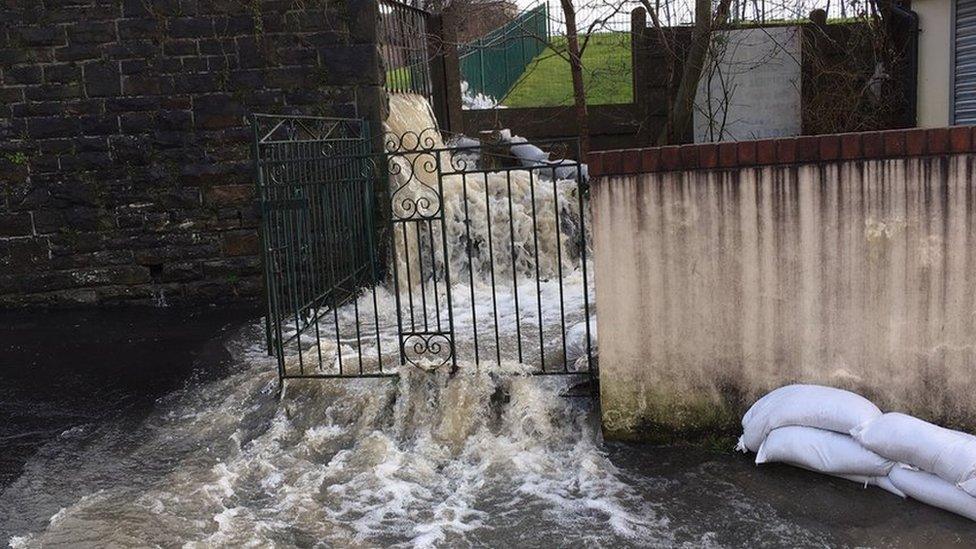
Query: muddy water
[(480, 460)]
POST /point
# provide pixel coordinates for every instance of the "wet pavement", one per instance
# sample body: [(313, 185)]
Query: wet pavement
[(65, 369), (735, 496)]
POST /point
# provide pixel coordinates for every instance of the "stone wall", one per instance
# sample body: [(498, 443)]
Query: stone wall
[(124, 151), (731, 269)]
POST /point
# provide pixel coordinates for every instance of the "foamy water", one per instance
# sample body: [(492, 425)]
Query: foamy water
[(418, 461)]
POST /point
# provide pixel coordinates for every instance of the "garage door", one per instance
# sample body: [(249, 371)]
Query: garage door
[(964, 85)]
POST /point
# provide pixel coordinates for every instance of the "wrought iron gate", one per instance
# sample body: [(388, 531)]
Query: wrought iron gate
[(487, 253)]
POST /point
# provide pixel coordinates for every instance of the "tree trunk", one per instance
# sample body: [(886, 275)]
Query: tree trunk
[(683, 105), (576, 70)]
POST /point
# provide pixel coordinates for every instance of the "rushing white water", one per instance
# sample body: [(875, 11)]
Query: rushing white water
[(509, 241), (419, 461)]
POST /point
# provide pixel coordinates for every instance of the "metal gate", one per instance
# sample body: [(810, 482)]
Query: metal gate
[(487, 256)]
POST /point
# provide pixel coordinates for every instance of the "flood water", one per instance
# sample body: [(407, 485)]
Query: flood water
[(164, 428)]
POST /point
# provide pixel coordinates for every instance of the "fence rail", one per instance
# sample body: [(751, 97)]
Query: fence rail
[(492, 64), (606, 16)]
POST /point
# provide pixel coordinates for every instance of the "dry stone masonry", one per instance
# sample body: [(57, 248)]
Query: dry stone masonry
[(124, 148)]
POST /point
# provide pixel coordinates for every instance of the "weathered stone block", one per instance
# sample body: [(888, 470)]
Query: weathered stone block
[(51, 126), (22, 74), (230, 195), (99, 124), (48, 92), (355, 64), (91, 32), (15, 224), (102, 79), (139, 28), (190, 27), (23, 255), (217, 111), (240, 243), (180, 47), (182, 271), (40, 36), (78, 52), (143, 84)]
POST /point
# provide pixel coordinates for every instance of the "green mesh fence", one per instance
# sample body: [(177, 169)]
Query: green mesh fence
[(492, 64)]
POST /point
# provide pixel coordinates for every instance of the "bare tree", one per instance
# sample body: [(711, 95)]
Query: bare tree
[(576, 70), (683, 104)]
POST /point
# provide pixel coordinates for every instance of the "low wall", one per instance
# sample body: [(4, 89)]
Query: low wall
[(723, 271), (611, 126)]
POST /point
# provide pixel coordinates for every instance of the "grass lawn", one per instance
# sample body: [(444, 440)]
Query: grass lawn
[(606, 75), (401, 77)]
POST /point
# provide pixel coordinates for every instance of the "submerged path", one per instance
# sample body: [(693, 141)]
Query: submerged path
[(158, 427)]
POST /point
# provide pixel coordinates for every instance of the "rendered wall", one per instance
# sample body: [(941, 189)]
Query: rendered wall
[(716, 285)]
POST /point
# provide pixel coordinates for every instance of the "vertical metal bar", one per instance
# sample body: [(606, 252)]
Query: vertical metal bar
[(515, 286), (315, 169), (406, 254), (294, 247), (538, 283), (385, 160), (559, 267), (333, 247), (433, 273), (467, 232), (491, 263), (447, 264), (420, 267)]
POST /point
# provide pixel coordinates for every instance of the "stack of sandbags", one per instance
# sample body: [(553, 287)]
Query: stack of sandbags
[(938, 465), (808, 426), (843, 434)]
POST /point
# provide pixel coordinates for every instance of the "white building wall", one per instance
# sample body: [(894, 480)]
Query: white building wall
[(934, 61)]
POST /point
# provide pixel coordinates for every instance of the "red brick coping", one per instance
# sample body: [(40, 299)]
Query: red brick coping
[(791, 150)]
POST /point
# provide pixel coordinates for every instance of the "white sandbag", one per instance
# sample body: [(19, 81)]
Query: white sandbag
[(821, 451), (881, 482), (806, 405), (529, 155), (949, 454), (930, 489)]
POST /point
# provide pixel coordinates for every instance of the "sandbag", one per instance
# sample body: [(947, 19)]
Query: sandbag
[(805, 405), (948, 454), (881, 482), (931, 489), (821, 451)]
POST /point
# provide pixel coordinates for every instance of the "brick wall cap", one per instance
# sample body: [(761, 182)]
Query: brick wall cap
[(806, 149)]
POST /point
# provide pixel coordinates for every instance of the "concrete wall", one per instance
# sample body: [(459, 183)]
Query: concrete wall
[(724, 272), (934, 63), (124, 153)]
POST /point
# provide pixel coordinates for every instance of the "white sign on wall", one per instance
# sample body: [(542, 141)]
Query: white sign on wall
[(750, 86)]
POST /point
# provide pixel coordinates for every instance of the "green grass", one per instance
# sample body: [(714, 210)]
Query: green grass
[(606, 75), (399, 76)]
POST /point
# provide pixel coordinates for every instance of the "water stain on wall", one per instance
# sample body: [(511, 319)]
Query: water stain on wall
[(726, 284)]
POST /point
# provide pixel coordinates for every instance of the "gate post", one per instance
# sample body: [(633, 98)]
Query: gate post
[(445, 72)]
